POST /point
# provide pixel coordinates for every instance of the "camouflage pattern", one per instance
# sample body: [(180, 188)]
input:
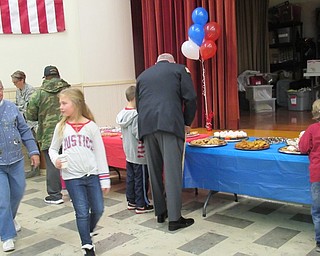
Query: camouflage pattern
[(22, 98), (44, 107)]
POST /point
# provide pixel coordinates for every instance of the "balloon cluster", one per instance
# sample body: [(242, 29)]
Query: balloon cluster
[(202, 37)]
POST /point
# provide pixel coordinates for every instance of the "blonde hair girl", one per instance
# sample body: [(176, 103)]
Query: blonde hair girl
[(77, 98), (86, 162)]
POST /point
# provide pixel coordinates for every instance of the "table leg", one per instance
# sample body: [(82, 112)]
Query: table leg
[(211, 192)]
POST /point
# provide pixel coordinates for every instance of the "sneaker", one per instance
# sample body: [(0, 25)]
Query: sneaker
[(17, 226), (88, 250), (145, 209), (52, 200), (131, 206), (8, 245), (318, 247)]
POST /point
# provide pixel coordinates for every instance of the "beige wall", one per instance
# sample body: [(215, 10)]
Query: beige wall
[(95, 52), (106, 101)]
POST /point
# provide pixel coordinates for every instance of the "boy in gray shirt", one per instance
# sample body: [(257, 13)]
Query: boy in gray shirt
[(137, 181)]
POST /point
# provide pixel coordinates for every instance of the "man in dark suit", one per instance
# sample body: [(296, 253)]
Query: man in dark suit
[(166, 104)]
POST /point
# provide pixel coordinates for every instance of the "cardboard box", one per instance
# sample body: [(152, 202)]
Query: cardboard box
[(313, 66)]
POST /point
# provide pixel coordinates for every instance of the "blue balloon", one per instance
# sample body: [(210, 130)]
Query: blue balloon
[(196, 33), (200, 16)]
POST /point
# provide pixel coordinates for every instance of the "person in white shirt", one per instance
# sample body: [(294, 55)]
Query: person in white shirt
[(86, 162)]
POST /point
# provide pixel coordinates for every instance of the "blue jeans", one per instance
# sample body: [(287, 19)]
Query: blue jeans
[(87, 199), (12, 186), (315, 209)]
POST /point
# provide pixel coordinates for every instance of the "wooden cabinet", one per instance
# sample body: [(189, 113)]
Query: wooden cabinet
[(284, 47)]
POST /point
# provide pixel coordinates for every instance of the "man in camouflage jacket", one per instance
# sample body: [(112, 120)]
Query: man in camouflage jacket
[(44, 107)]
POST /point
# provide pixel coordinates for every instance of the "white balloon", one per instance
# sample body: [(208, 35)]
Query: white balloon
[(190, 50)]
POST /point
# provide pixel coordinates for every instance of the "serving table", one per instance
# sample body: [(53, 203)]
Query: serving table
[(115, 154), (264, 174)]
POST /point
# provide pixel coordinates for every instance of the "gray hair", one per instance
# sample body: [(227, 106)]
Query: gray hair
[(166, 57), (20, 75)]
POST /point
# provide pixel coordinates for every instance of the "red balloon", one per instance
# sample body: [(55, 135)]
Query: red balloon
[(212, 31), (208, 49)]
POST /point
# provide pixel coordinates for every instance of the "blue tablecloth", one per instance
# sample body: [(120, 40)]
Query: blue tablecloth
[(265, 173)]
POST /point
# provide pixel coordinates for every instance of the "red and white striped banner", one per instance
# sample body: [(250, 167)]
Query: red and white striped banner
[(31, 16)]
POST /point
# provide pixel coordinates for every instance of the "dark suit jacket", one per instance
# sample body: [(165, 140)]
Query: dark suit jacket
[(166, 99)]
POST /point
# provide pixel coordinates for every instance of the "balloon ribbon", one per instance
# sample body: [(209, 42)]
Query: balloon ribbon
[(209, 116)]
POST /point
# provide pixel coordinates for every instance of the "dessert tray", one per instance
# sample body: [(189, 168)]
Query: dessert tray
[(109, 134), (293, 142), (273, 140), (290, 150), (192, 134), (252, 145), (231, 136), (207, 143), (110, 131), (235, 140)]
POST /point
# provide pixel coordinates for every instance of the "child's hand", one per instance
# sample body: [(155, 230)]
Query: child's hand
[(105, 191), (58, 164)]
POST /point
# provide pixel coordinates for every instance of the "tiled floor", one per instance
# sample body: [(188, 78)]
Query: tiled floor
[(247, 227)]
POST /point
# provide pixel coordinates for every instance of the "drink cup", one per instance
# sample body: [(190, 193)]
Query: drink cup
[(64, 161)]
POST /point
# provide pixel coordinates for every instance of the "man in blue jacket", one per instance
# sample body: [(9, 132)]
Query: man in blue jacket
[(166, 104)]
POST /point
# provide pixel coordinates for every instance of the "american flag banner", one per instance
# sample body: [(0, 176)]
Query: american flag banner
[(31, 16)]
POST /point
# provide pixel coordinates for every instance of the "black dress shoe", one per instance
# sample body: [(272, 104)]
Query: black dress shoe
[(162, 217), (181, 223)]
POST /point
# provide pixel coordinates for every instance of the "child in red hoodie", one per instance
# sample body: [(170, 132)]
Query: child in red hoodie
[(309, 143)]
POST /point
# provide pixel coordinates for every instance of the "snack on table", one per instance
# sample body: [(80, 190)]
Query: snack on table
[(208, 141), (252, 145), (110, 131), (192, 134), (111, 134), (292, 145), (273, 140), (291, 149), (293, 142), (230, 134)]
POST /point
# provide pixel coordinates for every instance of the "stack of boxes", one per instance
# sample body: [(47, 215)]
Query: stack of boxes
[(260, 98)]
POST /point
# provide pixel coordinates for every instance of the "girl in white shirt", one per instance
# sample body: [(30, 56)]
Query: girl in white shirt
[(82, 145)]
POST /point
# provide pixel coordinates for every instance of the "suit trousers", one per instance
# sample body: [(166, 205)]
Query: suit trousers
[(164, 153)]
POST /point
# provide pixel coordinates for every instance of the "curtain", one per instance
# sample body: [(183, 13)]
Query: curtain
[(252, 33), (164, 28)]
